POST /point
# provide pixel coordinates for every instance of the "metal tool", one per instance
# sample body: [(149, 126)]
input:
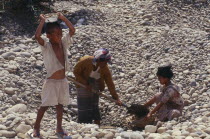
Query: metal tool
[(99, 93)]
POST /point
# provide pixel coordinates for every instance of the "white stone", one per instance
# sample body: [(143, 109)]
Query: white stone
[(189, 137), (77, 136), (204, 119), (9, 90), (4, 73), (97, 134), (166, 136), (25, 54), (3, 127), (16, 121), (18, 108), (198, 120), (176, 133), (161, 129), (32, 115), (37, 50), (192, 90), (154, 136), (207, 130), (7, 134), (8, 55), (22, 128), (194, 135), (186, 96), (136, 135), (194, 94), (14, 98), (130, 89), (21, 135), (131, 135), (132, 73), (151, 77), (109, 136), (185, 133), (192, 107), (150, 129)]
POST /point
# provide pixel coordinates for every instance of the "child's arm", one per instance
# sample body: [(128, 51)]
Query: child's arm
[(39, 30), (68, 23), (155, 109), (150, 102)]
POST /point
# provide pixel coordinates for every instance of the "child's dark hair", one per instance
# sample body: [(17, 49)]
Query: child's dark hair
[(165, 71), (51, 26)]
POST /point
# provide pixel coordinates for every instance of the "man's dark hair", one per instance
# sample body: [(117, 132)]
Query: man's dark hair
[(51, 26), (165, 71)]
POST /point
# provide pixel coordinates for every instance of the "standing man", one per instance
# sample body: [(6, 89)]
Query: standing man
[(93, 71)]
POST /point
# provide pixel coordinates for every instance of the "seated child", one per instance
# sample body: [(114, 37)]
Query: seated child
[(169, 101)]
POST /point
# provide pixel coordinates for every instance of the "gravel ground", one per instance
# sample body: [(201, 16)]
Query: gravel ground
[(141, 35)]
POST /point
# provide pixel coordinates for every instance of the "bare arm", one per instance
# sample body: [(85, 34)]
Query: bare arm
[(68, 23), (150, 102), (110, 84), (155, 109), (39, 30)]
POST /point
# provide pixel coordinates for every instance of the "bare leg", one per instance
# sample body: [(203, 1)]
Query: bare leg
[(39, 117), (59, 110), (97, 122)]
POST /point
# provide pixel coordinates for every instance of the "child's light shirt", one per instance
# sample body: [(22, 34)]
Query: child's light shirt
[(170, 95), (52, 64), (171, 98)]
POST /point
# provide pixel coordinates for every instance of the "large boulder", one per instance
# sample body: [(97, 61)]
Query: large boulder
[(7, 134), (22, 128), (18, 108)]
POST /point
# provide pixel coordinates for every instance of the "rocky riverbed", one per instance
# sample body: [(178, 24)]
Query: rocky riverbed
[(141, 35)]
